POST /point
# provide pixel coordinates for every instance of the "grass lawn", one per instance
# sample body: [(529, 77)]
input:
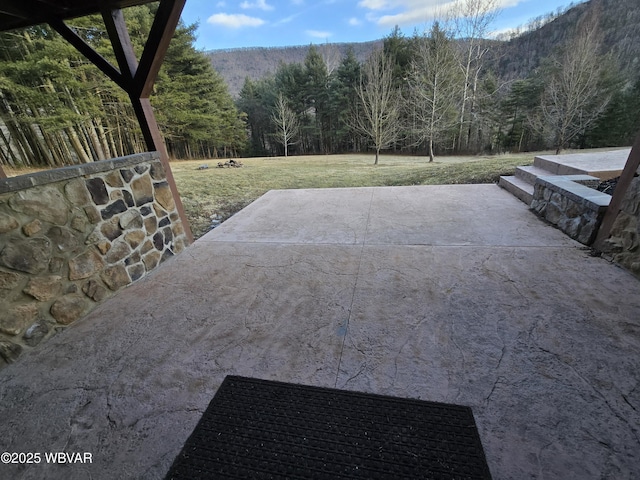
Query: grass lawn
[(224, 191)]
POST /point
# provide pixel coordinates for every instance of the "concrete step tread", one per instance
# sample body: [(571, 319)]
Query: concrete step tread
[(531, 172), (517, 181), (518, 187)]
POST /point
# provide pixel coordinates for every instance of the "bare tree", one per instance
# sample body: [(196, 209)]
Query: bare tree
[(472, 19), (578, 89), (435, 84), (331, 56), (286, 122), (377, 115)]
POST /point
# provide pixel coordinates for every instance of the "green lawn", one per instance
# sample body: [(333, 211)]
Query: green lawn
[(224, 191)]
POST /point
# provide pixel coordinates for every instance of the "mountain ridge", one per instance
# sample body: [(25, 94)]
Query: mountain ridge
[(510, 59)]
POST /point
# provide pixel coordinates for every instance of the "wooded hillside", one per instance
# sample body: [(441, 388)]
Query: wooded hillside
[(570, 79), (234, 65), (511, 58), (619, 23)]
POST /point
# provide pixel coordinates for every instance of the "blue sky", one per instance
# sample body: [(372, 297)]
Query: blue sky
[(275, 23)]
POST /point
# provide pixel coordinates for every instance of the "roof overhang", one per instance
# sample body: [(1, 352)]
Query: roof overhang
[(24, 13)]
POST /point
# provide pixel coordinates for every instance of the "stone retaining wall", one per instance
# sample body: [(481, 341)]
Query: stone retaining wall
[(72, 237), (623, 245), (568, 202)]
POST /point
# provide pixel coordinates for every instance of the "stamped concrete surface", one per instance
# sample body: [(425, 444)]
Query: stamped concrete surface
[(447, 293), (604, 165)]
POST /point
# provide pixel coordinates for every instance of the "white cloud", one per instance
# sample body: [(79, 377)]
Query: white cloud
[(378, 4), (234, 20), (318, 34), (354, 22), (260, 4), (408, 12), (221, 4), (418, 15)]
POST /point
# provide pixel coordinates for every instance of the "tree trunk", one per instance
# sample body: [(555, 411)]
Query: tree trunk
[(9, 156), (77, 145), (106, 148), (95, 141)]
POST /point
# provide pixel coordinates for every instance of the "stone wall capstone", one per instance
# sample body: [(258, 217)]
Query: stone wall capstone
[(72, 237)]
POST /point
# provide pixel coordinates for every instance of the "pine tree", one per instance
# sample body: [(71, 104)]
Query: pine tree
[(193, 104)]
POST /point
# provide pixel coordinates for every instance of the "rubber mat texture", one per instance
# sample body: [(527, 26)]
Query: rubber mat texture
[(261, 429)]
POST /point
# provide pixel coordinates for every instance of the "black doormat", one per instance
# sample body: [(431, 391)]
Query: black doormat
[(259, 429)]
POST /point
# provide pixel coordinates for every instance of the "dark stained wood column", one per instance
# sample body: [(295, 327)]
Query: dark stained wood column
[(138, 79), (630, 168)]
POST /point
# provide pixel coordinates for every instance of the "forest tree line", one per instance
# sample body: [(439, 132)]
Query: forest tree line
[(443, 95), (56, 108), (433, 93)]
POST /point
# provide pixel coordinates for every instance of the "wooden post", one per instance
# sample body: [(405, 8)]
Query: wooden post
[(154, 141), (137, 80), (630, 169)]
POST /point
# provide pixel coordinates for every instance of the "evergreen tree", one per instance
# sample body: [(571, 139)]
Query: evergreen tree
[(255, 100), (520, 111), (343, 98), (620, 123), (193, 104), (316, 96), (57, 108), (290, 81)]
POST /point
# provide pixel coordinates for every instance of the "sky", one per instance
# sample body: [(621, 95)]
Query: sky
[(227, 24)]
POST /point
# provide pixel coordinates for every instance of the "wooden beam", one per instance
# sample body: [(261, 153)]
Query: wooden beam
[(153, 138), (137, 79), (18, 11), (121, 43), (123, 48), (87, 50), (630, 169), (164, 25), (26, 9)]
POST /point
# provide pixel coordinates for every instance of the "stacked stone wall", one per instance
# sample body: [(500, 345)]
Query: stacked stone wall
[(623, 245), (72, 237), (571, 204)]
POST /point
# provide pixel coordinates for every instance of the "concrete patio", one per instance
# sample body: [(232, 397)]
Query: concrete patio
[(456, 294)]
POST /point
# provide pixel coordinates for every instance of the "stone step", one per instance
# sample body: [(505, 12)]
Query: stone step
[(604, 165), (530, 173), (518, 187), (551, 164)]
